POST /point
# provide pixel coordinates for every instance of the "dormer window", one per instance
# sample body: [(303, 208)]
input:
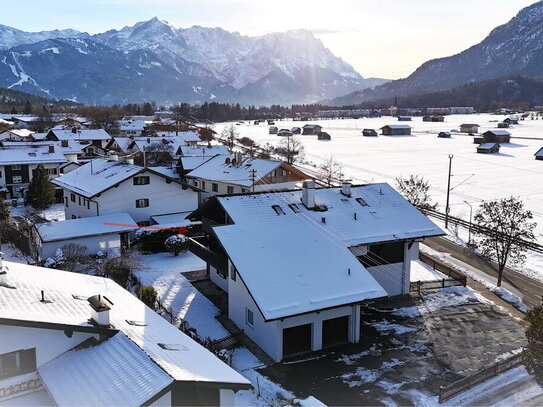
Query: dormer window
[(361, 202), (142, 180), (278, 210)]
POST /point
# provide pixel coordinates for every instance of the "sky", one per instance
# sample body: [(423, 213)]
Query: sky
[(379, 38)]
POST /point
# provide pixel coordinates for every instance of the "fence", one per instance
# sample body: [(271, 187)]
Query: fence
[(466, 383), (455, 278), (28, 386)]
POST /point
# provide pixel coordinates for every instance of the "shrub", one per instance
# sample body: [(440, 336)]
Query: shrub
[(153, 241), (176, 244), (148, 295)]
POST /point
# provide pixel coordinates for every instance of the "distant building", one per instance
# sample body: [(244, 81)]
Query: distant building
[(312, 129), (444, 134), (270, 122), (488, 148), (497, 136), (96, 137), (296, 130), (396, 130), (369, 133), (511, 120), (404, 118), (433, 119), (478, 140), (462, 110), (539, 154), (324, 136), (284, 133), (17, 135), (273, 130), (503, 125), (469, 128)]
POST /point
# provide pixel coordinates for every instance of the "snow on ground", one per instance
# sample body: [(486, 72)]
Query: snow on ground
[(397, 329), (421, 271), (53, 213), (163, 271), (476, 177)]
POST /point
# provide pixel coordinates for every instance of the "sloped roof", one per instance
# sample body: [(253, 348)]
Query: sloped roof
[(30, 155), (123, 143), (190, 163), (487, 146), (131, 125), (539, 152), (396, 126), (216, 169), (73, 146), (82, 134), (84, 227), (114, 372), (206, 151), (498, 132), (67, 305), (23, 133), (187, 136)]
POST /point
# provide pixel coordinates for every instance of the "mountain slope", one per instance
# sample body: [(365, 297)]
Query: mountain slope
[(12, 37), (12, 98), (515, 48)]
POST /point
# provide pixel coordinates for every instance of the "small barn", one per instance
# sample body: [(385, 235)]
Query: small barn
[(270, 122), (488, 148), (444, 134), (256, 122), (433, 118), (539, 154), (311, 129), (273, 130), (478, 140), (503, 125), (284, 133), (324, 136), (296, 130), (404, 118), (511, 120), (469, 128), (369, 133), (497, 136), (396, 130)]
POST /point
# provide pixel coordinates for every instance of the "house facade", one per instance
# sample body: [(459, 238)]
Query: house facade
[(469, 128), (497, 136), (279, 256)]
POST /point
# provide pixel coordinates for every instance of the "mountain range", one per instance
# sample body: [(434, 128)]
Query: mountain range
[(154, 61), (515, 48)]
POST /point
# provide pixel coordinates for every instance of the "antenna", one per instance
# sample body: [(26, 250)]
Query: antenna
[(253, 179)]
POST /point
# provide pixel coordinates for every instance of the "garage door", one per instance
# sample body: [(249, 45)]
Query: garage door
[(296, 339), (335, 331)]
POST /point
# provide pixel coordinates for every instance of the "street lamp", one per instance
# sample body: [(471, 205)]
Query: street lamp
[(470, 221)]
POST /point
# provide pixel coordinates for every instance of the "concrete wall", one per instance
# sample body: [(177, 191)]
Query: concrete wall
[(92, 243), (164, 401)]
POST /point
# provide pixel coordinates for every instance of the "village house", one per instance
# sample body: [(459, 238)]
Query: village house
[(105, 187), (539, 154), (192, 157), (97, 234), (71, 122), (369, 133), (511, 120), (134, 128), (189, 138), (34, 123), (469, 128), (396, 130), (71, 150), (98, 138), (76, 339), (146, 150), (296, 130), (285, 133), (488, 148), (324, 136), (433, 119), (17, 135), (238, 174), (503, 125), (297, 265), (404, 118), (18, 166), (311, 129), (497, 136), (273, 130)]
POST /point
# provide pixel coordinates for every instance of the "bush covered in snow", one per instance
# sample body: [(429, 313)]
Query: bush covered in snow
[(176, 244), (153, 240)]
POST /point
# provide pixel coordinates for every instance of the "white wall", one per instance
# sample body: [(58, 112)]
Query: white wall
[(164, 198), (218, 279), (164, 401), (226, 398), (92, 243)]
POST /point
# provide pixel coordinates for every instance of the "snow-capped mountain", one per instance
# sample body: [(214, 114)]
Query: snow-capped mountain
[(193, 64), (11, 37), (515, 48)]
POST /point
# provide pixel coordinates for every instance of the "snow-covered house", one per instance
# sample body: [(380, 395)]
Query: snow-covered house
[(131, 127), (98, 233), (488, 148), (30, 122), (189, 138), (396, 130), (311, 129), (469, 128), (105, 187), (71, 149), (191, 157), (297, 265), (539, 154), (95, 137), (16, 135), (74, 339), (238, 174), (17, 167), (497, 136)]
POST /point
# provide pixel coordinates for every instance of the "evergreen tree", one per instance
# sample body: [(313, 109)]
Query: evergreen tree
[(4, 210), (13, 111), (41, 193), (28, 107)]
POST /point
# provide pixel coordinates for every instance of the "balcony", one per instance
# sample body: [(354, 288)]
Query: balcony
[(209, 251)]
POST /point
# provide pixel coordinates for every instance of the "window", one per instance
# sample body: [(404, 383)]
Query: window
[(214, 187), (17, 363), (79, 203), (230, 190), (244, 190), (283, 172), (72, 197), (17, 179), (16, 167), (143, 180), (249, 317), (203, 185), (233, 273), (278, 210), (0, 174), (74, 217), (142, 203), (294, 207)]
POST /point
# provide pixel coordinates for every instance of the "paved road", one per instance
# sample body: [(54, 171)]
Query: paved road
[(528, 289)]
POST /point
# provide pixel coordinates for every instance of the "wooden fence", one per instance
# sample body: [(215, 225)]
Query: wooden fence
[(455, 278), (482, 375)]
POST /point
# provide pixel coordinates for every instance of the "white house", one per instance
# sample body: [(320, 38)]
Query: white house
[(71, 149), (16, 135), (17, 166), (105, 187), (96, 137), (74, 339), (297, 265), (131, 127), (238, 174), (98, 233)]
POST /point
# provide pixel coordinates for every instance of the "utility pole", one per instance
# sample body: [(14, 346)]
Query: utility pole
[(470, 221), (448, 192), (253, 179)]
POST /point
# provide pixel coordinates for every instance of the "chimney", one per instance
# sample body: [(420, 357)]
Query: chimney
[(99, 310), (51, 149), (308, 194), (74, 130), (3, 272), (64, 143), (113, 157), (346, 188)]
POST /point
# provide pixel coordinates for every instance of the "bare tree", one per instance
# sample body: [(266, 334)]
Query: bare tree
[(508, 222), (158, 154), (415, 190), (207, 134), (76, 258), (290, 149), (331, 170), (249, 146), (230, 135), (104, 117), (266, 151)]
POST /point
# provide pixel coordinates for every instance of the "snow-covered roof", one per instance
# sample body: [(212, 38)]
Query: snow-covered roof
[(469, 125), (114, 372), (67, 293), (539, 152), (487, 146), (28, 118), (22, 133), (144, 143), (190, 163), (73, 146), (167, 171), (396, 126), (217, 169), (123, 143), (30, 155), (96, 176), (303, 263), (187, 136), (174, 220), (84, 227), (131, 125), (81, 134), (498, 132), (206, 151)]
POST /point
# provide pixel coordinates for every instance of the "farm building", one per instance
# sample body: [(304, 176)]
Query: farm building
[(270, 122), (296, 130), (395, 130), (478, 140), (503, 125), (497, 136), (404, 118), (539, 154), (488, 148), (312, 129), (469, 128), (273, 130), (444, 134), (369, 133), (256, 122), (433, 119), (284, 133), (511, 120), (324, 136)]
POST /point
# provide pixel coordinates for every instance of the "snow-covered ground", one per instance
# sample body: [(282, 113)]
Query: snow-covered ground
[(421, 271), (475, 177), (53, 213)]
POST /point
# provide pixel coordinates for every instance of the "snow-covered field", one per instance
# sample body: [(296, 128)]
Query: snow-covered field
[(475, 177)]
